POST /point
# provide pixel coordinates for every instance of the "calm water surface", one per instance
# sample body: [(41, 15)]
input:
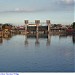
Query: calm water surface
[(20, 53)]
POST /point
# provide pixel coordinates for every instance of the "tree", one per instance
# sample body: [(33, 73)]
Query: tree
[(0, 26), (6, 26), (73, 25)]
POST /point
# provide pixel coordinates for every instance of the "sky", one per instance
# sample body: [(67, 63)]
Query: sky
[(16, 11)]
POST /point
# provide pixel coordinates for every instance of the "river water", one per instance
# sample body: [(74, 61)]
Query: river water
[(52, 53)]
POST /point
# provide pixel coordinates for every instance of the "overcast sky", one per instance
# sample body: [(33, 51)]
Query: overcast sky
[(16, 11)]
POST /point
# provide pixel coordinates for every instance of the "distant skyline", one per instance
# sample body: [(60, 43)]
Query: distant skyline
[(16, 11)]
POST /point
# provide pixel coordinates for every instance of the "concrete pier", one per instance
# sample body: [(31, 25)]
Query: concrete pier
[(49, 24), (37, 28), (37, 22), (26, 24)]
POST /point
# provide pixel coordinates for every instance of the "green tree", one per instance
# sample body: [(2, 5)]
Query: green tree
[(73, 25)]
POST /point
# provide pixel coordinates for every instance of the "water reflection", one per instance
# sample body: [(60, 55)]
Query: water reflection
[(55, 53), (36, 36), (48, 40), (37, 40), (1, 40), (65, 36), (7, 36), (26, 41), (62, 36), (73, 39)]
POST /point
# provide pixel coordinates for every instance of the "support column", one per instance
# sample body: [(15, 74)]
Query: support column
[(26, 24), (37, 22), (49, 24)]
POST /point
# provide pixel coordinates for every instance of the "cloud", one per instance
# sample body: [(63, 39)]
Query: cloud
[(68, 1), (56, 5), (18, 10)]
